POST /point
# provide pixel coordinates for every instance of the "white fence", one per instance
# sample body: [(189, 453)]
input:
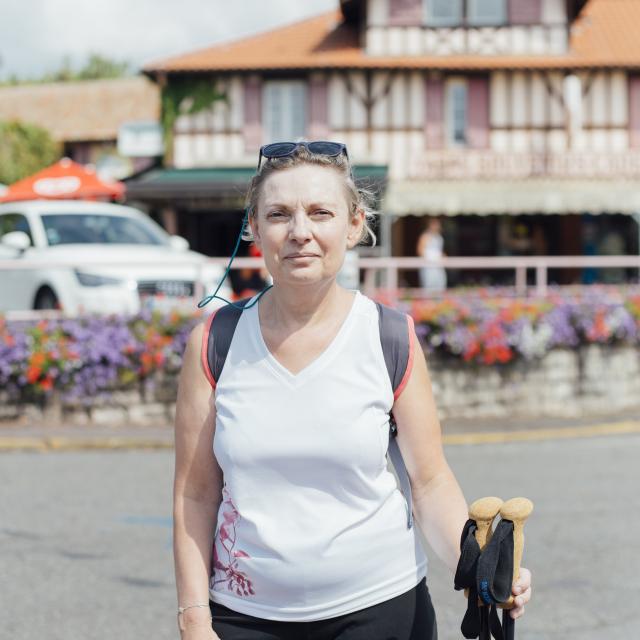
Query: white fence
[(376, 273)]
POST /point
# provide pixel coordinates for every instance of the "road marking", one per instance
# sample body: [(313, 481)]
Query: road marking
[(554, 433), (62, 443)]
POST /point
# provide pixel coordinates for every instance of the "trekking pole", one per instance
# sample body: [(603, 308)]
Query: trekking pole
[(516, 510), (483, 512)]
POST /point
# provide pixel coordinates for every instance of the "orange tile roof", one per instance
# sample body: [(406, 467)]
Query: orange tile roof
[(82, 111), (604, 35)]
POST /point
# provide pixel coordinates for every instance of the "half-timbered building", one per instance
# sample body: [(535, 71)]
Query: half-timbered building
[(516, 120)]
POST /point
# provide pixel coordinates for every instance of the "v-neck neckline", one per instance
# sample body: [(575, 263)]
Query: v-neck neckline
[(295, 379)]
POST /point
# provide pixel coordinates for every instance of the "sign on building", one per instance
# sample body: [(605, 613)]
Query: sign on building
[(142, 139)]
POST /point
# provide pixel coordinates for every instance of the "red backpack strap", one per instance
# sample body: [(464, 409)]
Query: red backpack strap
[(397, 338), (216, 338)]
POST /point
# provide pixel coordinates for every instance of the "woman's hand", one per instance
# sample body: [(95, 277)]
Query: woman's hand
[(521, 592)]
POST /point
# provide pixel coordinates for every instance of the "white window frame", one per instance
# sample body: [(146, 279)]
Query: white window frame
[(451, 86), (474, 21), (282, 122), (434, 21)]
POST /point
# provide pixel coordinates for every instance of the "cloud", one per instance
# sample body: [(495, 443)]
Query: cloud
[(36, 35)]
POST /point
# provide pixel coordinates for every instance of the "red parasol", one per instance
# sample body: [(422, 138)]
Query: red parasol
[(63, 180)]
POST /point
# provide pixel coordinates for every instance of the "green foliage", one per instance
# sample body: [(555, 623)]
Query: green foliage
[(24, 149), (185, 96), (96, 67)]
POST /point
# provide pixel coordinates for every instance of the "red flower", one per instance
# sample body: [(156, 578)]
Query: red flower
[(33, 374), (472, 351), (38, 359)]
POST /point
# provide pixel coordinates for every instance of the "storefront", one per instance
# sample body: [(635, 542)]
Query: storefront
[(521, 218)]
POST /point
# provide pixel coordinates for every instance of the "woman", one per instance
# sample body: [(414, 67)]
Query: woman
[(311, 537), (430, 246)]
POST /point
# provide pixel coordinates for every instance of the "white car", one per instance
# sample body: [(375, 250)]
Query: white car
[(141, 266)]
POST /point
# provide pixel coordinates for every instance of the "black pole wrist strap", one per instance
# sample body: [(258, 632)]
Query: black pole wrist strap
[(488, 576)]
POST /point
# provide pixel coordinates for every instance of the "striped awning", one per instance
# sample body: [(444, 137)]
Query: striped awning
[(531, 196)]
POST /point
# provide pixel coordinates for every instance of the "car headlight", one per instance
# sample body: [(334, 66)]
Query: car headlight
[(93, 280)]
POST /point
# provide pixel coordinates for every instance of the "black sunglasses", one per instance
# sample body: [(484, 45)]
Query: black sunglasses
[(284, 149)]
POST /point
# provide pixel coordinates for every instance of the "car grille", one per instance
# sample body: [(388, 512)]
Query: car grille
[(169, 288)]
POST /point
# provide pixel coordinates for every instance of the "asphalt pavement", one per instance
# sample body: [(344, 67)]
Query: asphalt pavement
[(86, 536)]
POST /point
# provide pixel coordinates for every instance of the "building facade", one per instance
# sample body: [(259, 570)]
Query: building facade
[(516, 120)]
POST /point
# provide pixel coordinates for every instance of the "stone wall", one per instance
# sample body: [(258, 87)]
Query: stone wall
[(593, 379)]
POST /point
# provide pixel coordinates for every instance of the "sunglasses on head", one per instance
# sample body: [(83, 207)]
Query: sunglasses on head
[(285, 149)]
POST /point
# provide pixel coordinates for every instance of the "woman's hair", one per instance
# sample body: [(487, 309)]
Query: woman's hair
[(357, 199)]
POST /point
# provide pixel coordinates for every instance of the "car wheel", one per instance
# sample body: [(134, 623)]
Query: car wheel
[(46, 299)]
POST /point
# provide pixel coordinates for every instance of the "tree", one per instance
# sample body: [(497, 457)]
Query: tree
[(96, 67), (25, 149)]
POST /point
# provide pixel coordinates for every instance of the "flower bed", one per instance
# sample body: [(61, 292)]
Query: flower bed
[(86, 359), (487, 328), (83, 361)]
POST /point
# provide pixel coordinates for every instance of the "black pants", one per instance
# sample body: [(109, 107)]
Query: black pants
[(409, 616)]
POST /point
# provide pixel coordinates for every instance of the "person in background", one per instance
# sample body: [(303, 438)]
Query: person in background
[(589, 248), (430, 246), (250, 281)]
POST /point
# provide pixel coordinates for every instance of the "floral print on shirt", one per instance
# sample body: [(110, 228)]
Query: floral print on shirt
[(225, 555)]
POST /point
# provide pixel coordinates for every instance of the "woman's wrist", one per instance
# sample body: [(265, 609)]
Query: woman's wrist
[(195, 616)]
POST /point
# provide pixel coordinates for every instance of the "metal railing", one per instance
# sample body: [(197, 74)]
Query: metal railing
[(520, 265)]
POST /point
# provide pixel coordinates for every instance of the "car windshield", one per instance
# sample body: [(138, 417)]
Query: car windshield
[(92, 228)]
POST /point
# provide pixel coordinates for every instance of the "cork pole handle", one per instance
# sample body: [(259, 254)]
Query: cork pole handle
[(484, 511), (517, 510)]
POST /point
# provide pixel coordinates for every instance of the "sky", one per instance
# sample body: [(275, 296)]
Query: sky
[(36, 35)]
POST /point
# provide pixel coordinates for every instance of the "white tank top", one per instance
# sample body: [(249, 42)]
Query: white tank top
[(433, 247), (311, 525)]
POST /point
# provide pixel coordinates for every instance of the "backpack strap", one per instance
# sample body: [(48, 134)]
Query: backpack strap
[(397, 339), (217, 336)]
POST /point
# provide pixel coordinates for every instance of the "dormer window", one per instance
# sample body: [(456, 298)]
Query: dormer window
[(486, 13), (444, 13), (473, 13)]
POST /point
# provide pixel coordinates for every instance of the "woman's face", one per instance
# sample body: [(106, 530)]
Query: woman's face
[(303, 226)]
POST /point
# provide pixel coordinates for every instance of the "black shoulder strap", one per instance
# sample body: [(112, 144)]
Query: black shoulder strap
[(221, 332), (396, 348)]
